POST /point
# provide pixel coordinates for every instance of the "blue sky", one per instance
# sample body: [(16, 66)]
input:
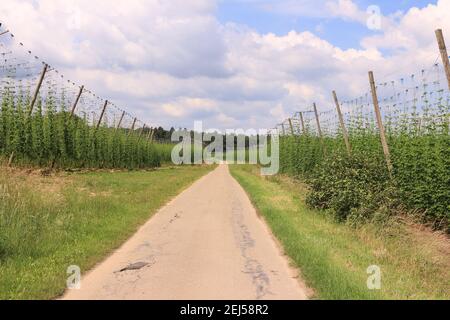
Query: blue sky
[(344, 34)]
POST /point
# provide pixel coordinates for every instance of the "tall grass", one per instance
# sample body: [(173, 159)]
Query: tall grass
[(334, 257)]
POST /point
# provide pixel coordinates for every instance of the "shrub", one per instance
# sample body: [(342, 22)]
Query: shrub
[(352, 187)]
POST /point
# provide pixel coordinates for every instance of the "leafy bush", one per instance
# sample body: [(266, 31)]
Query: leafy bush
[(422, 174), (54, 138)]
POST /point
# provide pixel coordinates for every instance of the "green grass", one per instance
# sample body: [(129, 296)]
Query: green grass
[(50, 223), (334, 257)]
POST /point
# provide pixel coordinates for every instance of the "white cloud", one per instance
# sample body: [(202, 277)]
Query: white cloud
[(173, 62)]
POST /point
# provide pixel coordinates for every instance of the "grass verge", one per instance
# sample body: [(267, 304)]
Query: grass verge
[(50, 223), (334, 257)]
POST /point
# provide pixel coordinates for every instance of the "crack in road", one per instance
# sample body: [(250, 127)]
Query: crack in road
[(135, 266), (253, 267)]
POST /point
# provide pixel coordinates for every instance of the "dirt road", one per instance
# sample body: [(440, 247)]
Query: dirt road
[(208, 243)]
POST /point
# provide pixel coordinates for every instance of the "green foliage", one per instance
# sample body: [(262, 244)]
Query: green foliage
[(422, 174), (359, 188), (54, 138)]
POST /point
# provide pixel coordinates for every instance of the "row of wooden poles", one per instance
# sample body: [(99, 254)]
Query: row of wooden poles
[(45, 69), (75, 104), (386, 151)]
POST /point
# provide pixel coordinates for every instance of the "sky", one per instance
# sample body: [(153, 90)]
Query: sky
[(275, 16), (230, 63)]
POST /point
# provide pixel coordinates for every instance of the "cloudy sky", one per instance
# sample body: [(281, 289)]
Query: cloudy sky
[(230, 63)]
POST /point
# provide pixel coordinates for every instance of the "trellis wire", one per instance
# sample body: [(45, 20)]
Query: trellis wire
[(20, 70)]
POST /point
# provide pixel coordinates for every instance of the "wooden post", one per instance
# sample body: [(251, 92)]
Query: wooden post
[(296, 126), (302, 122), (341, 121), (291, 126), (11, 157), (76, 101), (93, 117), (386, 152), (101, 115), (132, 127), (38, 87), (152, 135), (319, 129), (120, 121), (149, 133), (283, 129), (142, 131), (444, 54)]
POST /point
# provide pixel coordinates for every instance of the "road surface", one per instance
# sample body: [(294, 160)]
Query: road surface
[(207, 243)]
